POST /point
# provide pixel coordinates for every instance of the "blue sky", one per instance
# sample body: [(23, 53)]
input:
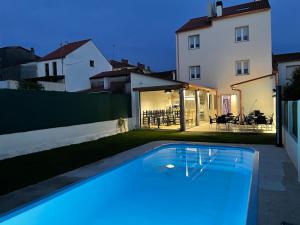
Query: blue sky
[(141, 30)]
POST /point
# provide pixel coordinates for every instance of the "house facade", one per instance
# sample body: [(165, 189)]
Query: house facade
[(69, 67), (230, 50), (11, 60)]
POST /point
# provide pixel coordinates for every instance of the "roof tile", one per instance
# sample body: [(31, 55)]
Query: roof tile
[(64, 50), (203, 22)]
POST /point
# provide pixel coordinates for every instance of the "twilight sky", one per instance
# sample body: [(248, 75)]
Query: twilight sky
[(141, 30)]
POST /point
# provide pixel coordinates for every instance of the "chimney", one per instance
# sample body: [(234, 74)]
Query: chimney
[(32, 51), (125, 61), (219, 8), (141, 66), (209, 9)]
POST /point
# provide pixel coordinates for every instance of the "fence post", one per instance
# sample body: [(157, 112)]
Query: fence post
[(298, 139), (182, 110), (278, 116)]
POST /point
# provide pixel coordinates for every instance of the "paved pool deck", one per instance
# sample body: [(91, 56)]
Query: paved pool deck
[(279, 192)]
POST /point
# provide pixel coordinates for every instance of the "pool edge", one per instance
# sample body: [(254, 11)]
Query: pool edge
[(252, 215)]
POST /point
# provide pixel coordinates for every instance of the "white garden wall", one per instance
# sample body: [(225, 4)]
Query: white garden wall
[(290, 141), (16, 144)]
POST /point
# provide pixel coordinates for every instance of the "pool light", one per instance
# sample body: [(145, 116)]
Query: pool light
[(170, 166)]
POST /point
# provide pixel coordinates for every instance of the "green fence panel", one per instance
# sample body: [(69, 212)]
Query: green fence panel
[(33, 110), (295, 118)]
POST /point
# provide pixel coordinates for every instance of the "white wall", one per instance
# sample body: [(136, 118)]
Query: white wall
[(258, 95), (290, 142), (218, 52), (9, 84), (52, 86), (138, 81), (40, 140), (282, 71), (76, 67)]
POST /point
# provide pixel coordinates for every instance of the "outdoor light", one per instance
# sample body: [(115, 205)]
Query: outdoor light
[(170, 166)]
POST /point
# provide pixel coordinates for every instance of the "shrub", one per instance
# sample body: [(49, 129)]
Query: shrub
[(27, 85), (292, 89)]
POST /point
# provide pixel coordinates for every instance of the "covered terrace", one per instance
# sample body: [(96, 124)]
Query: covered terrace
[(176, 106)]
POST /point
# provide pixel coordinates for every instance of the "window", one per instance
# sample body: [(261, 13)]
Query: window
[(195, 73), (92, 63), (47, 69), (54, 67), (242, 67), (194, 42), (242, 34)]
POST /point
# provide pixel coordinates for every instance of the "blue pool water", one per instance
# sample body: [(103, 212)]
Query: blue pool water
[(171, 185)]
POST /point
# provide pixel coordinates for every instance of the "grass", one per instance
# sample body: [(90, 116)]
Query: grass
[(25, 170)]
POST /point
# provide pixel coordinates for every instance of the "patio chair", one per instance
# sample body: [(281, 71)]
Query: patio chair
[(212, 121), (222, 120), (270, 121)]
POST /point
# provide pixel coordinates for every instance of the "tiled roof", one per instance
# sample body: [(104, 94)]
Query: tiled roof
[(288, 57), (203, 22), (117, 73), (64, 50), (116, 64)]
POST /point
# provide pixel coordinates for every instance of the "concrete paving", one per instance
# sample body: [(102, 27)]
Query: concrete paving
[(279, 192)]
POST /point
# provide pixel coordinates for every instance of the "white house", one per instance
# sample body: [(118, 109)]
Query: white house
[(70, 67), (230, 50), (286, 65)]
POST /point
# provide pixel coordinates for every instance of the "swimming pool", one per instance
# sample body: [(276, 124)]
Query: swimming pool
[(176, 184)]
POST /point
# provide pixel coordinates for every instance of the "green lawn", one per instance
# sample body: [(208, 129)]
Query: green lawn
[(21, 171)]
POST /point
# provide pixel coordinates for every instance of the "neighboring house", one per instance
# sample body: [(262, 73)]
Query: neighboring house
[(230, 50), (286, 64), (69, 67), (124, 64), (113, 81), (119, 80), (11, 60)]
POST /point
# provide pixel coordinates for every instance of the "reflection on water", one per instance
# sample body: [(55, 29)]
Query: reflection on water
[(193, 162)]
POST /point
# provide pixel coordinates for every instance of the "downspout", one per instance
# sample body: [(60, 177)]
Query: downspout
[(177, 54), (240, 98)]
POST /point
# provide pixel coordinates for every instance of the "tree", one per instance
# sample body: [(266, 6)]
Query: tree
[(292, 89)]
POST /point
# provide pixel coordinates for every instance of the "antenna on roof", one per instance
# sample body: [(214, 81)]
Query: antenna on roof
[(114, 50), (209, 8)]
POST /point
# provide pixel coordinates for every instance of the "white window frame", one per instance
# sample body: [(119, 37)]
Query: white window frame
[(242, 67), (192, 38), (242, 29), (190, 72)]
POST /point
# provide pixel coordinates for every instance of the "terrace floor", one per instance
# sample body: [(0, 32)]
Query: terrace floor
[(279, 191), (235, 128)]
